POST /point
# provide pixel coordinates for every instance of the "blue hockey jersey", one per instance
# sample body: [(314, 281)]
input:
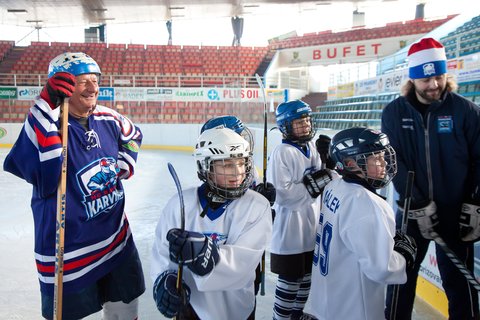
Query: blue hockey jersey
[(97, 233)]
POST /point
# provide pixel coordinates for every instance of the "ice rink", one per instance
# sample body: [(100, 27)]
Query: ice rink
[(146, 194)]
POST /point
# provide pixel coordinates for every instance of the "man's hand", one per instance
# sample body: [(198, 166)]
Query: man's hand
[(427, 219), (61, 85), (470, 222)]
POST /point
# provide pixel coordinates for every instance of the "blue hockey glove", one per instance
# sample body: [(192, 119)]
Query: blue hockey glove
[(316, 181), (168, 300), (194, 250), (470, 222), (406, 246), (268, 192)]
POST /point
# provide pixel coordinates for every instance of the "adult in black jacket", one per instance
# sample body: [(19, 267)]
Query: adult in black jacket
[(436, 133)]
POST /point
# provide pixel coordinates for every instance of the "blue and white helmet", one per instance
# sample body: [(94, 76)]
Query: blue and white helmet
[(76, 63), (289, 111), (230, 122)]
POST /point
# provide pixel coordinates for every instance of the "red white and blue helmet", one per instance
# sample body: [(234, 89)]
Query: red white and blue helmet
[(358, 144), (230, 122), (289, 111), (76, 63)]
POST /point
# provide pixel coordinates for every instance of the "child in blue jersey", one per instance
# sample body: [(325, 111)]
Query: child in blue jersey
[(102, 269), (227, 228)]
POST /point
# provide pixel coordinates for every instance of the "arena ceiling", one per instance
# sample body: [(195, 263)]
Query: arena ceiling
[(91, 13)]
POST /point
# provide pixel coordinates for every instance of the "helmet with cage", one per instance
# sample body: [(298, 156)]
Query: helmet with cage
[(224, 162), (287, 113), (365, 153), (76, 63), (233, 123)]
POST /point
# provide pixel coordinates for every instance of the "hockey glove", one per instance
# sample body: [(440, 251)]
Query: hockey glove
[(406, 246), (193, 249), (268, 192), (470, 222), (59, 86), (427, 219), (167, 298), (323, 146), (315, 182)]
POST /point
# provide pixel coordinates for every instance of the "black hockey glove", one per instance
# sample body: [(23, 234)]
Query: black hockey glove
[(406, 246), (193, 249), (323, 147), (59, 86), (315, 182), (269, 192), (427, 218), (167, 298), (470, 222)]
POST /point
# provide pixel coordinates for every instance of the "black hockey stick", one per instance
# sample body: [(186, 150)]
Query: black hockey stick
[(262, 88), (403, 228), (182, 227), (456, 261)]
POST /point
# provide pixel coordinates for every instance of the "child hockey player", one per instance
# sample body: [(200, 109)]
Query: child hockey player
[(295, 170), (227, 228), (357, 251)]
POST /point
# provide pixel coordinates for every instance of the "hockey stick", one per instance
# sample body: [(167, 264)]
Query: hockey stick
[(60, 220), (403, 229), (456, 261), (262, 88), (182, 227)]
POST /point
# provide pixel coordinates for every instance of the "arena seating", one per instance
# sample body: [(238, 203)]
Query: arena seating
[(464, 40)]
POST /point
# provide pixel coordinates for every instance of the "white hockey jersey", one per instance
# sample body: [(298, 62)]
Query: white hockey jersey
[(242, 233), (354, 257), (296, 211)]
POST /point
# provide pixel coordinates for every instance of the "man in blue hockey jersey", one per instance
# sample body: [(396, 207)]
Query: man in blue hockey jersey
[(102, 269)]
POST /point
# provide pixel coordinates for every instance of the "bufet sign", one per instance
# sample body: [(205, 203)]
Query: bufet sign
[(346, 52)]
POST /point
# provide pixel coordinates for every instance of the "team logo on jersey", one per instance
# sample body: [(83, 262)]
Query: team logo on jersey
[(217, 238), (444, 124), (93, 141), (98, 182)]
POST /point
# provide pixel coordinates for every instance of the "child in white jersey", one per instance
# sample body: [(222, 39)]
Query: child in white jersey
[(227, 228), (357, 251)]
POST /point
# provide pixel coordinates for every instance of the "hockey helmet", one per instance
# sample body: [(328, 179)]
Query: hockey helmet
[(230, 122), (76, 63), (218, 145), (289, 111), (358, 144)]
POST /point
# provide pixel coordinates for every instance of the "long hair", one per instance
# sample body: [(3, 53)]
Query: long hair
[(408, 86)]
